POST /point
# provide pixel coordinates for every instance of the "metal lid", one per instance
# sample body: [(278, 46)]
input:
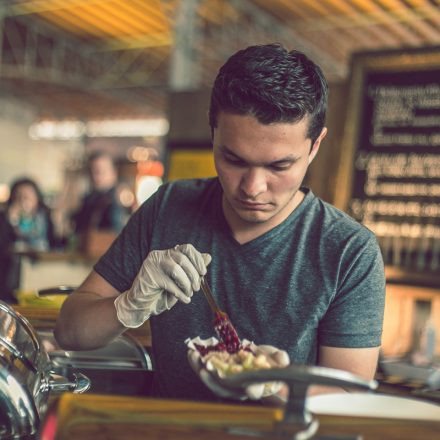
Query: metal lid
[(17, 337), (18, 412)]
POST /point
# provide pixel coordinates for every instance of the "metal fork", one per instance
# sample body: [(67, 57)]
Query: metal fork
[(209, 296), (222, 324)]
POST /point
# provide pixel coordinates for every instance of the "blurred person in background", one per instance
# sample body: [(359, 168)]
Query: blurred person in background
[(25, 226), (101, 208), (29, 218)]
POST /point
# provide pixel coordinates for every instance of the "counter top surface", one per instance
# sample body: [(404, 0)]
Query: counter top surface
[(100, 417), (108, 417), (57, 256)]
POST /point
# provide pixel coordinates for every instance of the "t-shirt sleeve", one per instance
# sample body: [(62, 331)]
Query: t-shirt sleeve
[(355, 316), (121, 263)]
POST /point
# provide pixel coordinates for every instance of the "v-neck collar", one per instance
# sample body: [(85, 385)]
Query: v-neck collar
[(226, 231)]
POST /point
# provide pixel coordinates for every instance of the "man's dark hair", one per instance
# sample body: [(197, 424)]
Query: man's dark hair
[(273, 85), (26, 181)]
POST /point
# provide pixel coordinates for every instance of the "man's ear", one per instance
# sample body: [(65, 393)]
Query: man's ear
[(316, 145)]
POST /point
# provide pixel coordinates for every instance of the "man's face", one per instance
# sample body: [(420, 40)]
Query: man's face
[(102, 173), (261, 167)]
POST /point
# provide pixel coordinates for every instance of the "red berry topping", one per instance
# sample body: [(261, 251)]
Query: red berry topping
[(227, 333), (229, 340)]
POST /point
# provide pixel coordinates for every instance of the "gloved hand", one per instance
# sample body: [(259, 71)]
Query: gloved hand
[(253, 392), (165, 277)]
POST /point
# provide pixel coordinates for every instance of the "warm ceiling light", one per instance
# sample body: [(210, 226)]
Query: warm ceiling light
[(128, 128), (65, 130), (60, 130)]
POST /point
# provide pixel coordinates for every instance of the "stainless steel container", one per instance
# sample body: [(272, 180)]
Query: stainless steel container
[(122, 367), (26, 377)]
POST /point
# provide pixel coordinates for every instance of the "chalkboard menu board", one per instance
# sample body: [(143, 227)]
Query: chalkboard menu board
[(395, 182)]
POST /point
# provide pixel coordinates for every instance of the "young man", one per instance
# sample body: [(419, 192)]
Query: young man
[(290, 270), (100, 208)]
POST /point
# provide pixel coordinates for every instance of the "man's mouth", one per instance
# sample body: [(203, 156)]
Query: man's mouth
[(252, 205)]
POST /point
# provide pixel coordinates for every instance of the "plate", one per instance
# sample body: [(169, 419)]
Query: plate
[(250, 358), (373, 405)]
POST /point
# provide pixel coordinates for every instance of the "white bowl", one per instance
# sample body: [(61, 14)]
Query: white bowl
[(373, 405)]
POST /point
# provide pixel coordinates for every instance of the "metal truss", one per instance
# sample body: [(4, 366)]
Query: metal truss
[(36, 52), (141, 73), (257, 26)]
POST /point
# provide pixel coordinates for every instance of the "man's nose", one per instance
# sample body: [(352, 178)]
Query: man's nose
[(253, 182)]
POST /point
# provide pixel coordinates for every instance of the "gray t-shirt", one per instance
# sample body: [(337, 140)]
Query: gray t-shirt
[(315, 279)]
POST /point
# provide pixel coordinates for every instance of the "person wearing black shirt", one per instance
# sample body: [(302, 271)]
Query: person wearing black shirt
[(100, 208)]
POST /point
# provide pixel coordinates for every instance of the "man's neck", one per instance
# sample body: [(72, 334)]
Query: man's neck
[(244, 232)]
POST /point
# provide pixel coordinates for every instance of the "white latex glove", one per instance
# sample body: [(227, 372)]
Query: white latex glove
[(253, 392), (165, 277)]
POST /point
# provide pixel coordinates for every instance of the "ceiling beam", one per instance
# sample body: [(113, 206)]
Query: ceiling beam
[(40, 6), (280, 30), (184, 67), (65, 63), (130, 42), (88, 63)]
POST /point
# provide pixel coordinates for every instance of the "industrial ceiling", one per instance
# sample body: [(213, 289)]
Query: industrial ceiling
[(96, 59)]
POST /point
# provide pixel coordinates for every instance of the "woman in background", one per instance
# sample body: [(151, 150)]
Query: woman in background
[(25, 226), (29, 217)]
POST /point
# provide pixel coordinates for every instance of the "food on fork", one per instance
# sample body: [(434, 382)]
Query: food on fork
[(222, 324), (229, 340)]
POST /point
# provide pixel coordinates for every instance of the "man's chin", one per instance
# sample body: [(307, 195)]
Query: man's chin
[(254, 216)]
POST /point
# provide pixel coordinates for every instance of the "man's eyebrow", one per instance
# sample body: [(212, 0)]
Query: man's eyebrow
[(287, 159), (225, 149)]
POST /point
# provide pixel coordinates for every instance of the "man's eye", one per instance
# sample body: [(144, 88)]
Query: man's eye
[(280, 167), (234, 161)]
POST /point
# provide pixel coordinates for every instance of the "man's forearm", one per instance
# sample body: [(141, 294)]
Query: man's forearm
[(86, 322)]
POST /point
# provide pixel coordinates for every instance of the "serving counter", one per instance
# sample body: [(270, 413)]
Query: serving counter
[(110, 416), (98, 417)]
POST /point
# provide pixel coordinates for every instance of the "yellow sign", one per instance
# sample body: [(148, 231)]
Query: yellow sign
[(190, 164)]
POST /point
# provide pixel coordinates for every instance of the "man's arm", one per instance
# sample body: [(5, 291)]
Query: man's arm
[(97, 312), (359, 361), (88, 316)]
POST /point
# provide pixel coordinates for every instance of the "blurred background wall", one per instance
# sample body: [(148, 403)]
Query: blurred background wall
[(78, 62), (133, 77), (20, 155)]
